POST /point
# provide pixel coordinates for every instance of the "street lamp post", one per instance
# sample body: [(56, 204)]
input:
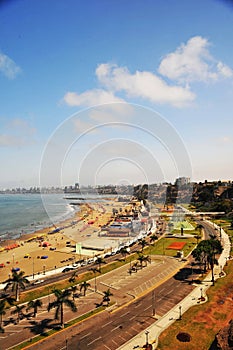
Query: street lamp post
[(201, 293), (33, 272), (44, 269), (153, 303), (147, 333), (180, 316)]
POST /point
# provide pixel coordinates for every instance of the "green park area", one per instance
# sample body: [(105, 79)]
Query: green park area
[(202, 322)]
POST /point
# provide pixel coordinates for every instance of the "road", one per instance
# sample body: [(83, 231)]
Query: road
[(109, 330)]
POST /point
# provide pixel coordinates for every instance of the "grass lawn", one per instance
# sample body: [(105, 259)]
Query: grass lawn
[(160, 247), (204, 321)]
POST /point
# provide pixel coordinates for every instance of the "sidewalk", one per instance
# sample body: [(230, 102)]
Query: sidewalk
[(152, 333)]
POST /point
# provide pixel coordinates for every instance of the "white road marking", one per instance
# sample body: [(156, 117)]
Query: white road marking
[(86, 335), (93, 341), (106, 324)]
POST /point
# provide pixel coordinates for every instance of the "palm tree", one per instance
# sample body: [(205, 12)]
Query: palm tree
[(146, 259), (72, 279), (124, 252), (140, 259), (2, 312), (3, 304), (143, 258), (73, 290), (100, 261), (17, 281), (19, 311), (106, 296), (62, 299), (84, 285), (143, 243), (199, 228), (34, 304), (94, 270), (153, 238), (205, 253), (134, 267)]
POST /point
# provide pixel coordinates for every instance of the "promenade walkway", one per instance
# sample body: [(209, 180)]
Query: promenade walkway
[(152, 333)]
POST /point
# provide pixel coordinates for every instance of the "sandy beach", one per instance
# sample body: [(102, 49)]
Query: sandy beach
[(59, 247)]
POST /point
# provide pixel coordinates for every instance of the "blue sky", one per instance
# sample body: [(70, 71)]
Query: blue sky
[(165, 68)]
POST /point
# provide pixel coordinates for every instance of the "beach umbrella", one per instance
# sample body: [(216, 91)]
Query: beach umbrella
[(15, 269)]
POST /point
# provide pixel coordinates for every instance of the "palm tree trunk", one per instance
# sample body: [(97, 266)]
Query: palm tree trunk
[(17, 293), (62, 316)]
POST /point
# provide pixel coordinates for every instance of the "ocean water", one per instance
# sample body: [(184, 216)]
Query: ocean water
[(26, 213)]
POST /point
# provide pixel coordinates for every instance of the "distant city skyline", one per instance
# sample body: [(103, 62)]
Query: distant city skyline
[(115, 92)]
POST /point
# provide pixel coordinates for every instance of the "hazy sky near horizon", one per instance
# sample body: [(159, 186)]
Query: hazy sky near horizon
[(115, 91)]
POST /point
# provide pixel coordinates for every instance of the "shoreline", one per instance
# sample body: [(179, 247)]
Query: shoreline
[(60, 246)]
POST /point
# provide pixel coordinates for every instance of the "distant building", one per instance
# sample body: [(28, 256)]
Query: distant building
[(181, 181)]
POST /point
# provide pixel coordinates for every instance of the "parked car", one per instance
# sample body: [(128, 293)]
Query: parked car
[(67, 269), (37, 282)]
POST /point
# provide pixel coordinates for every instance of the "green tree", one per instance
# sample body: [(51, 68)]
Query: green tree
[(2, 312), (99, 261), (34, 304), (84, 286), (72, 279), (106, 296), (62, 298), (124, 252), (143, 259), (19, 311), (142, 243), (73, 290), (205, 253), (17, 281), (3, 305), (95, 270), (153, 238)]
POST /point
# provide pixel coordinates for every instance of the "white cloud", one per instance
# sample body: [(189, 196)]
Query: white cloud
[(8, 67), (10, 141), (224, 70), (189, 62), (142, 84), (17, 133), (82, 126), (193, 62), (21, 126), (91, 98)]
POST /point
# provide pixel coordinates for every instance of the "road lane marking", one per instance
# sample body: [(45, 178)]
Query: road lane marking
[(137, 305), (106, 324), (93, 341), (86, 335), (126, 313), (112, 330)]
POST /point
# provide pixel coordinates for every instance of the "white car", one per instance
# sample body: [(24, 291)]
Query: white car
[(37, 282)]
